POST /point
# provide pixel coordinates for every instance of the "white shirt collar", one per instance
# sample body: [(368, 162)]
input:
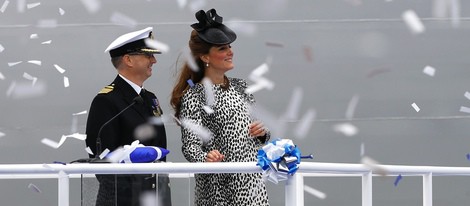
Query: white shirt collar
[(136, 87)]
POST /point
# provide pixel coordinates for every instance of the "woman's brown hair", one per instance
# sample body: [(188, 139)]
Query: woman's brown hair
[(198, 48)]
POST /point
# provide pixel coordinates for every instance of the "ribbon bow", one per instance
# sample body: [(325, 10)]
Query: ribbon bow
[(209, 19), (279, 158)]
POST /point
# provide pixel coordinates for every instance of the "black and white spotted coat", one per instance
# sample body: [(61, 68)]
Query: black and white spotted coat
[(228, 125)]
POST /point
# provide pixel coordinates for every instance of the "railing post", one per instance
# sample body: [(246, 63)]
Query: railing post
[(367, 189), (294, 190), (427, 189), (63, 189)]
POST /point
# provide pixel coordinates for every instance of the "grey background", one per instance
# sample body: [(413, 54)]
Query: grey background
[(359, 48)]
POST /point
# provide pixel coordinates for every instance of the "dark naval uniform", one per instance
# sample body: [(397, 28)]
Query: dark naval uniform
[(125, 189)]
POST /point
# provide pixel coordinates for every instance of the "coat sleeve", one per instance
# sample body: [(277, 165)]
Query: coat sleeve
[(192, 111)]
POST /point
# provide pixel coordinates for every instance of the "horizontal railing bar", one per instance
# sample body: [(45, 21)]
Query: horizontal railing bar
[(183, 169)]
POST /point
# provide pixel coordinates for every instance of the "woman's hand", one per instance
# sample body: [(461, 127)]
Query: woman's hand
[(214, 156), (257, 129)]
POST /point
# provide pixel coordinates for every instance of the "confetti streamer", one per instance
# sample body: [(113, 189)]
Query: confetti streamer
[(346, 129), (23, 90), (59, 68), (37, 62), (294, 104), (32, 5), (80, 113), (190, 60), (88, 150), (240, 27), (104, 153), (14, 63), (33, 36), (415, 107), (373, 165), (413, 22), (182, 3), (352, 107), (397, 180), (314, 192), (92, 6), (123, 20), (464, 109), (274, 44), (157, 45), (210, 98), (429, 71), (66, 82), (56, 145), (203, 133), (4, 6), (305, 123), (21, 5), (46, 42), (1, 76), (47, 23), (467, 95), (33, 187), (61, 11)]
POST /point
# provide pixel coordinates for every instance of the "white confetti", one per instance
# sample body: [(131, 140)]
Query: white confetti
[(363, 149), (145, 132), (104, 153), (442, 8), (1, 76), (92, 6), (56, 145), (413, 22), (33, 36), (261, 83), (37, 62), (352, 107), (23, 90), (188, 56), (208, 90), (182, 3), (208, 109), (164, 48), (61, 11), (47, 42), (314, 192), (465, 109), (294, 104), (196, 5), (240, 27), (122, 20), (259, 71), (373, 165), (429, 70), (1, 48), (4, 6), (47, 23), (29, 77), (305, 123), (80, 113), (21, 5), (59, 68), (415, 106), (66, 82), (197, 129), (34, 188), (14, 63), (346, 129), (88, 150), (32, 5), (2, 134)]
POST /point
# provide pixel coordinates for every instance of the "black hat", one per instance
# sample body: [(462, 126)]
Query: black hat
[(132, 42), (211, 30)]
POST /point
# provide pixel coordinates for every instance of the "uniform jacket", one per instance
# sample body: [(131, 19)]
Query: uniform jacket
[(120, 131)]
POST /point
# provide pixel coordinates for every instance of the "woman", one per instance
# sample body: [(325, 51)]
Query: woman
[(235, 137)]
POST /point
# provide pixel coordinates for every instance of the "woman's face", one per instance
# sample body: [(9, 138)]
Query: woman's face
[(220, 57)]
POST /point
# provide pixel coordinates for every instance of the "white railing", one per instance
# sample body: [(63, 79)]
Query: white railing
[(293, 188)]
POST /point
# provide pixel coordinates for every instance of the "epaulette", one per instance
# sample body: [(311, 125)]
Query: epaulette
[(107, 89)]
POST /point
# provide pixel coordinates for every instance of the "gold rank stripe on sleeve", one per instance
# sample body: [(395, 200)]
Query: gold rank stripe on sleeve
[(107, 89)]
